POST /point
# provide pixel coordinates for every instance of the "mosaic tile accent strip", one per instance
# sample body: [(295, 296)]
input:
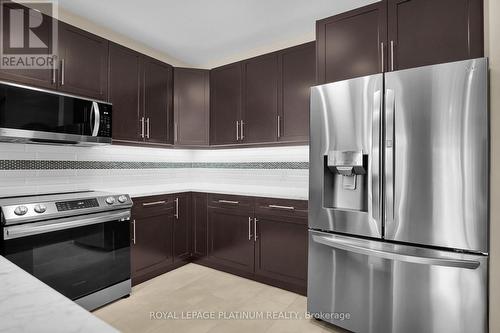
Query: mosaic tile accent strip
[(70, 165)]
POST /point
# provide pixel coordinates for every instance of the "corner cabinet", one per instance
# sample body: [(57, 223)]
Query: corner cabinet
[(398, 34), (191, 107)]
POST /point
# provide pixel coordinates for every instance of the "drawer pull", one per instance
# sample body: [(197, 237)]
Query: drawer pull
[(155, 203), (229, 202), (282, 207)]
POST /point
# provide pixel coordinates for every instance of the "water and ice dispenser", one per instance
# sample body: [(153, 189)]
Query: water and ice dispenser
[(346, 180)]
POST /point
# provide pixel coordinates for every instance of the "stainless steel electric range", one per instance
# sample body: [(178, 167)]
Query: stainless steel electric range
[(78, 243)]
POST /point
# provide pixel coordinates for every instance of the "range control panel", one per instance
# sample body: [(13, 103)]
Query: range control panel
[(76, 204)]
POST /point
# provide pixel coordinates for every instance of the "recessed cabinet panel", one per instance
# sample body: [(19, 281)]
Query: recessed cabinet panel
[(182, 215), (199, 222)]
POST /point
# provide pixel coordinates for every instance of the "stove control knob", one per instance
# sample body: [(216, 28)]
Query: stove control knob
[(40, 209), (110, 200), (21, 210), (122, 199)]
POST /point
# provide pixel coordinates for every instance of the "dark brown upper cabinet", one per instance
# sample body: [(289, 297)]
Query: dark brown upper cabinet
[(124, 86), (181, 233), (260, 96), (427, 32), (157, 106), (225, 104), (83, 62), (191, 107), (352, 44), (298, 75), (41, 78)]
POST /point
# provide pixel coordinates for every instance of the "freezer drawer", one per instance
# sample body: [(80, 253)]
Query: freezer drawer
[(372, 286)]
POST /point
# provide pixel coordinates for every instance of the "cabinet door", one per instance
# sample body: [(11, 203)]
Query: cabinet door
[(231, 244), (83, 62), (281, 249), (124, 93), (157, 100), (151, 243), (298, 75), (181, 226), (191, 106), (199, 225), (225, 103), (42, 78), (260, 99), (426, 32), (350, 44)]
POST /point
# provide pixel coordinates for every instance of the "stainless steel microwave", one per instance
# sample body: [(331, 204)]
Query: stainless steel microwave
[(32, 115)]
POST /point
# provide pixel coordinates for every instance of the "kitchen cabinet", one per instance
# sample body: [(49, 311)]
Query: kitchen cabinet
[(298, 75), (124, 85), (427, 32), (398, 34), (260, 110), (41, 78), (156, 93), (151, 239), (225, 104), (281, 237), (352, 44), (140, 89), (191, 107), (199, 227), (181, 225), (83, 63)]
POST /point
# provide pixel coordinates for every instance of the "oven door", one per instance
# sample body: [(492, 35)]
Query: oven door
[(76, 256)]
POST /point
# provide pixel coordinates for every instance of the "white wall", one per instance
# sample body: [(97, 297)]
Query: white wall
[(492, 43)]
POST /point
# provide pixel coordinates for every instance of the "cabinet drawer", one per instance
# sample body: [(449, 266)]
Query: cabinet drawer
[(230, 201), (281, 208), (154, 205)]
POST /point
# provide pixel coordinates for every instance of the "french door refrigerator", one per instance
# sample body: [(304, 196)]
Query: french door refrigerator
[(398, 200)]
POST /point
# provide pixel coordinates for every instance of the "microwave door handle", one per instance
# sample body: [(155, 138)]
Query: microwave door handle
[(364, 248), (30, 229), (97, 118)]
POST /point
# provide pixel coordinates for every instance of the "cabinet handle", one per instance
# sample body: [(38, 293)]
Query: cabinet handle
[(241, 131), (154, 203), (249, 228), (255, 229), (175, 132), (62, 72), (279, 126), (142, 127), (282, 207), (392, 55), (229, 202), (382, 55), (176, 208), (133, 232), (148, 128), (237, 130)]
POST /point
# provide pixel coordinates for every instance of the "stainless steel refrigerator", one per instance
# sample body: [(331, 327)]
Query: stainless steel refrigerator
[(399, 199)]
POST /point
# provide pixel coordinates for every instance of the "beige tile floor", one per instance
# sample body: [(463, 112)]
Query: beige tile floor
[(198, 290)]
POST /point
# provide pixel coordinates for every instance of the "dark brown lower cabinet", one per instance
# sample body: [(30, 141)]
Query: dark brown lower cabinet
[(263, 239), (182, 228), (230, 242), (151, 239), (199, 225)]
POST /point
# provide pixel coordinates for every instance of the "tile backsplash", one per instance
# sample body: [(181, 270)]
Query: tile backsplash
[(32, 169)]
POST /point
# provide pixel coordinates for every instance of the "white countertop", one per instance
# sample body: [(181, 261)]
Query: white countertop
[(29, 305), (247, 190)]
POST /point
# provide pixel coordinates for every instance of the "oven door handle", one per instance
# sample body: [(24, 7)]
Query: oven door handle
[(30, 229)]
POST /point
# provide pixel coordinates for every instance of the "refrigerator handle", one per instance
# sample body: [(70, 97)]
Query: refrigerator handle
[(389, 155), (358, 247), (375, 156)]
